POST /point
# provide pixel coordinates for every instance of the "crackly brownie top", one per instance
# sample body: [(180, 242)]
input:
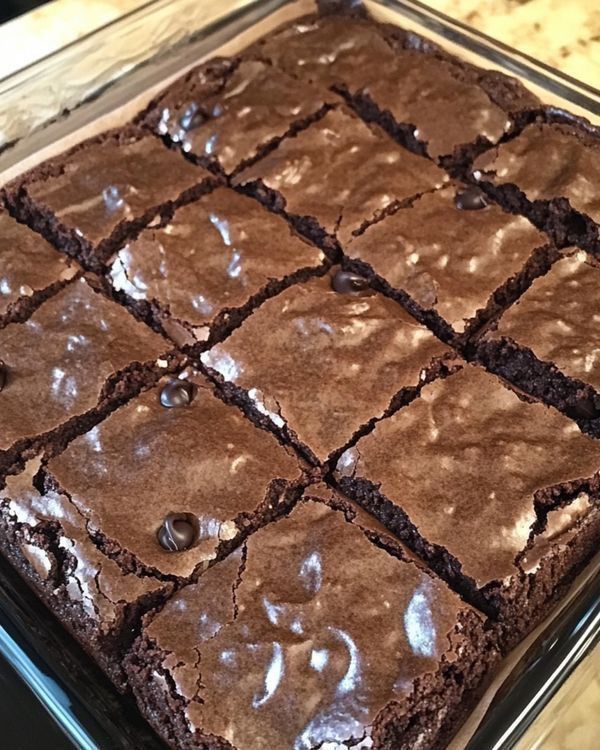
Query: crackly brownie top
[(90, 577), (465, 460), (292, 645), (558, 317), (549, 161), (28, 264), (56, 363), (213, 254), (329, 50), (255, 104), (428, 93), (446, 255), (112, 180), (343, 172), (175, 460), (306, 354)]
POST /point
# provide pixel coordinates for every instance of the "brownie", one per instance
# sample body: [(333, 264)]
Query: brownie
[(148, 497), (90, 199), (548, 162), (233, 121), (274, 646), (468, 475), (298, 363), (70, 358), (452, 252), (558, 317), (30, 270), (206, 267), (340, 172)]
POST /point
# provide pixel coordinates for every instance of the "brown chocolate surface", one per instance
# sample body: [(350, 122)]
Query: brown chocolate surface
[(146, 461), (255, 105), (330, 50), (559, 318), (28, 265), (447, 258), (58, 361), (343, 172), (324, 363), (427, 92), (277, 649), (213, 254), (110, 181), (465, 460), (547, 161)]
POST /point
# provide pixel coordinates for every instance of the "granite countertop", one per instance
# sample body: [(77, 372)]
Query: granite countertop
[(564, 35)]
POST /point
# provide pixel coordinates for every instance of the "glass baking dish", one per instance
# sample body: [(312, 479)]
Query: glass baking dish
[(103, 79)]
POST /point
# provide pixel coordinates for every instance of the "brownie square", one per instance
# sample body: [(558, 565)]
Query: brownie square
[(329, 50), (148, 497), (241, 113), (547, 161), (64, 361), (469, 475), (289, 644), (30, 270), (342, 173), (452, 253), (91, 198), (298, 363), (558, 317), (207, 266)]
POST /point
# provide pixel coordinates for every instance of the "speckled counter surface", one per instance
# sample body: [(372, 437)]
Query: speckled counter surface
[(565, 35)]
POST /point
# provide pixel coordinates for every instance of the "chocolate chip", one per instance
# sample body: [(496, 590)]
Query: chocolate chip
[(584, 409), (176, 393), (346, 282), (3, 375), (177, 533), (471, 199)]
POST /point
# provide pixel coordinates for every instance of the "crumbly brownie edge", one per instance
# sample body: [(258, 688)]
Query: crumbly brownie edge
[(40, 218), (24, 307), (541, 380)]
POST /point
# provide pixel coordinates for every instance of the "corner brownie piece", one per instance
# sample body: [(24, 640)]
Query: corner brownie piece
[(453, 253), (231, 118), (152, 494), (31, 270), (341, 173), (298, 363), (558, 318), (65, 360), (468, 475), (90, 198), (546, 161), (207, 266), (310, 636)]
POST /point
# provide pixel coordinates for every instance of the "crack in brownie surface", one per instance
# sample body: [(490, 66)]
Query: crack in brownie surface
[(211, 257), (30, 270), (357, 167), (447, 257), (558, 318), (318, 363), (275, 647), (58, 362), (465, 473)]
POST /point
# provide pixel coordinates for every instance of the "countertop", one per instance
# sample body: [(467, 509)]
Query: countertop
[(565, 35)]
